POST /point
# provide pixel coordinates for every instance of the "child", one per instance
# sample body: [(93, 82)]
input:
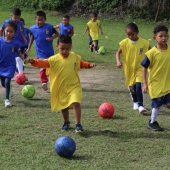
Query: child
[(42, 34), (157, 62), (15, 17), (93, 28), (26, 33), (65, 84), (133, 50), (9, 47), (65, 27)]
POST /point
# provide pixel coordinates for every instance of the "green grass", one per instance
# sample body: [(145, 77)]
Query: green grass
[(29, 129)]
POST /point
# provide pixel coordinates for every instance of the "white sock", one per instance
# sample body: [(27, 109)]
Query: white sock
[(19, 65), (154, 114)]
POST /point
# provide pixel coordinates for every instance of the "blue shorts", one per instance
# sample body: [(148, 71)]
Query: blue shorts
[(157, 102), (90, 38)]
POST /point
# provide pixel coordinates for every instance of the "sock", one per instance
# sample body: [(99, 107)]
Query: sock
[(154, 114), (19, 65), (96, 48)]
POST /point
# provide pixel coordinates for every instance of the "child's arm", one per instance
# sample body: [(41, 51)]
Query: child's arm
[(72, 32), (20, 55), (30, 44), (119, 64), (22, 36), (86, 65), (57, 26), (38, 63), (56, 34), (87, 29), (145, 85), (101, 29)]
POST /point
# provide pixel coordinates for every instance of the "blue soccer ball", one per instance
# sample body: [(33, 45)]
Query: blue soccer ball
[(65, 146)]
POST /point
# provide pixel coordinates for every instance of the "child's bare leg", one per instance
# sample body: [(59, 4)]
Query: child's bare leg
[(168, 105), (65, 114), (77, 112)]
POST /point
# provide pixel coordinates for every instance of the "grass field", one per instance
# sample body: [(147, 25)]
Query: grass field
[(29, 129)]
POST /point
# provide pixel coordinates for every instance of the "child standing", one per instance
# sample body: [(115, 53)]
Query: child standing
[(15, 17), (42, 34), (93, 28), (65, 84), (157, 63), (133, 50), (9, 46), (65, 27)]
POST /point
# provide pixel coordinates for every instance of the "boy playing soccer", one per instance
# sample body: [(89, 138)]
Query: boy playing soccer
[(42, 34), (157, 63)]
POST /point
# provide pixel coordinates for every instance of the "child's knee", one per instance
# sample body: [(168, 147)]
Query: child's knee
[(168, 105)]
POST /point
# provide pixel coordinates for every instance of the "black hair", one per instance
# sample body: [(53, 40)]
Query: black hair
[(94, 14), (160, 28), (40, 14), (16, 11), (11, 24), (133, 27), (66, 16), (21, 19), (64, 39)]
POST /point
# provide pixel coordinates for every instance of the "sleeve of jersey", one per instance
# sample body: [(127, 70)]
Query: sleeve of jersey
[(146, 62), (41, 63), (84, 64)]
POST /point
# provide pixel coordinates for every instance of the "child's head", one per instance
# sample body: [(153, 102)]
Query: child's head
[(10, 29), (40, 18), (22, 20), (66, 19), (161, 34), (94, 17), (16, 13), (64, 45), (132, 31)]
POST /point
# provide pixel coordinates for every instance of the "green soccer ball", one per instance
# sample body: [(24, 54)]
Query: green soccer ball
[(28, 91), (102, 50)]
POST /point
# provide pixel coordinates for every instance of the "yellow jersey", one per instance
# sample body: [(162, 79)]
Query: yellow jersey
[(133, 54)]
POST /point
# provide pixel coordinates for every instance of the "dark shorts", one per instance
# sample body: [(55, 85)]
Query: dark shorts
[(157, 102)]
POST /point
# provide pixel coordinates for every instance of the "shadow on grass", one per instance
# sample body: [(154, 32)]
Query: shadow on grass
[(111, 91), (3, 117), (80, 157)]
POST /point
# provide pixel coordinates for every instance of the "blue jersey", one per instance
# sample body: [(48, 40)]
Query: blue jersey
[(7, 57), (19, 25), (44, 48), (26, 33), (65, 29)]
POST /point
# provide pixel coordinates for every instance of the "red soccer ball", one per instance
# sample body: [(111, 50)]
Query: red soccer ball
[(20, 78), (106, 110)]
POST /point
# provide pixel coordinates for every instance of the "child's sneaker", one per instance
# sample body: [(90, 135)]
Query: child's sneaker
[(141, 109), (96, 52), (66, 126), (135, 106), (44, 86), (7, 103), (78, 128), (154, 126)]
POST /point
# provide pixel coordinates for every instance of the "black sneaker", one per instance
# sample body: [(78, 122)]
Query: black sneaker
[(154, 126), (66, 126), (78, 128)]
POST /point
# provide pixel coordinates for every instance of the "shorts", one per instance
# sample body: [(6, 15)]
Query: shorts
[(157, 102)]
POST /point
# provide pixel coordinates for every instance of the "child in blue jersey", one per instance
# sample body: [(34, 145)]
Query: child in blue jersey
[(26, 33), (157, 63), (133, 50), (42, 34), (15, 17), (9, 47), (65, 27)]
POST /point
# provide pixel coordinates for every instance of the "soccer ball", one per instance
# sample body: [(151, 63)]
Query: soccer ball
[(20, 78), (106, 110), (65, 146), (28, 91), (102, 50)]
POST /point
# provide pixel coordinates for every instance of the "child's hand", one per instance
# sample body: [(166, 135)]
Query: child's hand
[(145, 88), (101, 32), (119, 64), (27, 51), (49, 39), (93, 65), (29, 60), (83, 34)]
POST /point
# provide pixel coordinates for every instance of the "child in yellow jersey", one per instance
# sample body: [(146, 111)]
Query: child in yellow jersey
[(133, 50), (65, 86), (93, 28), (157, 63)]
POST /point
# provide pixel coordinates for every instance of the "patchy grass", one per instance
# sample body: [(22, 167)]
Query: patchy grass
[(29, 129)]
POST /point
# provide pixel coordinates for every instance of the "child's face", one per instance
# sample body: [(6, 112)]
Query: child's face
[(15, 18), (40, 20), (132, 35), (161, 37), (9, 32), (93, 19), (65, 21), (64, 49)]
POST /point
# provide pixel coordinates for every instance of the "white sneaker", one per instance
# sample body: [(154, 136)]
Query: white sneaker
[(7, 103), (44, 86), (141, 109), (135, 106)]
